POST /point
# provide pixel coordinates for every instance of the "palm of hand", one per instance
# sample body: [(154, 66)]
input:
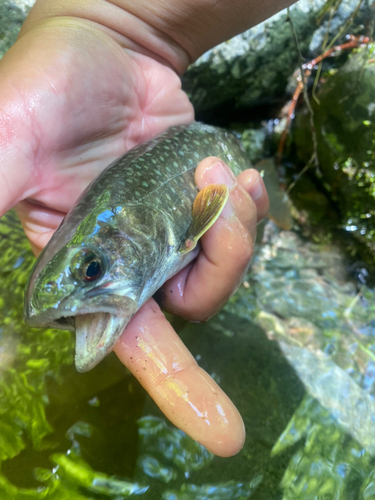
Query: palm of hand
[(85, 103)]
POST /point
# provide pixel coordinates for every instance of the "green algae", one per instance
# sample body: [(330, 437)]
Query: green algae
[(32, 360), (29, 358)]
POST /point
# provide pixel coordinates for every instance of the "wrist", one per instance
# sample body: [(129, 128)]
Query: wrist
[(126, 28), (175, 32)]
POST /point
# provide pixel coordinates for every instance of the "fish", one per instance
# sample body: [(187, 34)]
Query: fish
[(134, 227)]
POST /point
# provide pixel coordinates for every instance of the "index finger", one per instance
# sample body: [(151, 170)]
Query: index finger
[(185, 393), (202, 288)]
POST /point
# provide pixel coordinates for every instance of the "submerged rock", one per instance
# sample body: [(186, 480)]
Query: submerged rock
[(337, 392), (323, 323)]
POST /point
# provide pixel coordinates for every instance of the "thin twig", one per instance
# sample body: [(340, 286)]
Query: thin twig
[(348, 312), (306, 97), (291, 108), (355, 41), (371, 24), (324, 47), (300, 174), (346, 25), (330, 6)]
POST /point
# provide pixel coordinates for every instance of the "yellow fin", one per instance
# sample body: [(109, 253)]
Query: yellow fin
[(207, 207)]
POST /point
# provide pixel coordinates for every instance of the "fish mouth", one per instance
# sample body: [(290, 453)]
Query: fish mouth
[(96, 334), (98, 325)]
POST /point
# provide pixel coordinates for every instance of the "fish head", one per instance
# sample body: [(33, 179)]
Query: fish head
[(78, 280), (88, 287)]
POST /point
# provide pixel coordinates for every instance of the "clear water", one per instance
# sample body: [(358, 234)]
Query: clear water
[(294, 349)]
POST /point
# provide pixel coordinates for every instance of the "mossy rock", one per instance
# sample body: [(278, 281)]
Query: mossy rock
[(252, 69), (345, 126)]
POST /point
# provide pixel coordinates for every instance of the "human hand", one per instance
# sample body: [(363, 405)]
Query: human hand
[(152, 350), (72, 100)]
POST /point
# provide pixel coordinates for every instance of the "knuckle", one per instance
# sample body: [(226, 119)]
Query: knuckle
[(244, 248), (246, 253), (246, 209), (251, 216)]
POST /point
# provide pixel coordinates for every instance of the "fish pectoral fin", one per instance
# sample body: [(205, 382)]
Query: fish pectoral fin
[(207, 207)]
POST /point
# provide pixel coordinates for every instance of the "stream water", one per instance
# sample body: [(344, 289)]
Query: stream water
[(294, 349)]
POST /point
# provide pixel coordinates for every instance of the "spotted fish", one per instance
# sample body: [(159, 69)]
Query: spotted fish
[(136, 225)]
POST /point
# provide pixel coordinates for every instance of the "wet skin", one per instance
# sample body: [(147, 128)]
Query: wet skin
[(152, 350), (72, 101)]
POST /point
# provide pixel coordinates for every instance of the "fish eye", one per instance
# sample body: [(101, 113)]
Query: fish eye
[(87, 265), (93, 270)]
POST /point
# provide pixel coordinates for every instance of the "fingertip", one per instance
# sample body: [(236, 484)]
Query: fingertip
[(204, 412), (212, 170), (184, 392), (252, 182), (232, 442)]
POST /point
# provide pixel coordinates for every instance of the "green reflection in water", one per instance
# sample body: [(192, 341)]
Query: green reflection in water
[(91, 436), (232, 490), (328, 464), (171, 445), (324, 326), (41, 396)]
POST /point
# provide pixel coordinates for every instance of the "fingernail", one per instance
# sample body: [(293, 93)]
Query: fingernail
[(228, 211), (219, 173), (257, 189)]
